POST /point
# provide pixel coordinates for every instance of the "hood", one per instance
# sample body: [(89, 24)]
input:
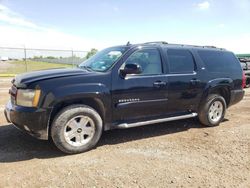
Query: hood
[(22, 80)]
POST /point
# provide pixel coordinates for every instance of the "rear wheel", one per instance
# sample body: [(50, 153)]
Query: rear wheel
[(76, 129), (212, 112)]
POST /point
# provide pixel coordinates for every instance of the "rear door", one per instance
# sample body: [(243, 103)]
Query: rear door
[(185, 82)]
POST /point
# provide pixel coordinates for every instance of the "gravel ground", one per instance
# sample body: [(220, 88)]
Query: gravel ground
[(174, 154)]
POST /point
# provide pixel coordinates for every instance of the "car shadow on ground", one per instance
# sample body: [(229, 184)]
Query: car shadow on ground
[(18, 146)]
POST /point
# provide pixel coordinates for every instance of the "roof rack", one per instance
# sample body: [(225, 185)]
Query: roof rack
[(209, 47), (197, 46), (214, 47), (183, 45), (156, 42), (194, 46)]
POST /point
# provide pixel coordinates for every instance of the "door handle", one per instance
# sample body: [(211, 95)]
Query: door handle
[(195, 81), (159, 84)]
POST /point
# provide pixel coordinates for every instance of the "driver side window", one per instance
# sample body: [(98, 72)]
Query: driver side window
[(148, 59)]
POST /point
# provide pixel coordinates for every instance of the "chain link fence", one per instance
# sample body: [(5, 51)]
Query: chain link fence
[(20, 60)]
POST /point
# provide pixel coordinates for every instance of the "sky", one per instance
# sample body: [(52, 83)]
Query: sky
[(86, 24)]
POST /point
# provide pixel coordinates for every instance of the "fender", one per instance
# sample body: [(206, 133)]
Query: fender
[(80, 92), (216, 84)]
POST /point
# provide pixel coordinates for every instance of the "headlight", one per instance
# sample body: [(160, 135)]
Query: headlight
[(28, 97)]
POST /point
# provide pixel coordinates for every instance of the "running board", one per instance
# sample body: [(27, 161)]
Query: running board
[(137, 124)]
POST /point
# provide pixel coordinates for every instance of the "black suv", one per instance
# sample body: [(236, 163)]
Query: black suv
[(122, 87)]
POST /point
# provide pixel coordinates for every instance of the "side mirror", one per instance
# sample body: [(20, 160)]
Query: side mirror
[(131, 69)]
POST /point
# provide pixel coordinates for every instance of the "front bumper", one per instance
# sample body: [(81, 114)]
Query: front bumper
[(34, 121)]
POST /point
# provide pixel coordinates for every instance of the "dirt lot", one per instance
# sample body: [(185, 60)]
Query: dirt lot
[(176, 154)]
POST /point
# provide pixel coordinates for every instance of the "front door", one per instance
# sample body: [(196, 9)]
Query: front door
[(141, 95)]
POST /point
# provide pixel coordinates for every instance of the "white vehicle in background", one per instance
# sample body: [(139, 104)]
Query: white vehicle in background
[(4, 58)]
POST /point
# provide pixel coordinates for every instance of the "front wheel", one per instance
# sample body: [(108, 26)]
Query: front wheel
[(77, 128), (213, 111)]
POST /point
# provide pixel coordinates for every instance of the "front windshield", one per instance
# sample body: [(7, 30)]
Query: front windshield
[(104, 59)]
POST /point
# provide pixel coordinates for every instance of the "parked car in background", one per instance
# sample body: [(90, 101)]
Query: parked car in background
[(4, 58), (245, 64)]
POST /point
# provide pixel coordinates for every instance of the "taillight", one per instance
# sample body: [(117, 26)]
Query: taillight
[(244, 79)]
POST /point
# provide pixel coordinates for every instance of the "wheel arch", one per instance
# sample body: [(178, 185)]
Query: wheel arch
[(223, 91), (221, 87), (94, 103)]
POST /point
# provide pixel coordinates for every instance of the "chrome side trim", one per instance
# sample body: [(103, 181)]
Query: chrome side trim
[(122, 104), (137, 124)]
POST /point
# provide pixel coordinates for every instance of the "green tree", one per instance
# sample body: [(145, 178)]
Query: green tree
[(92, 52), (51, 57)]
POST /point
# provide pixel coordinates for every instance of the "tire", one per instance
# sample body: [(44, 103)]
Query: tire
[(76, 129), (212, 112)]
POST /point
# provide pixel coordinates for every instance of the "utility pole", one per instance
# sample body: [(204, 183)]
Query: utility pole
[(25, 59), (72, 55)]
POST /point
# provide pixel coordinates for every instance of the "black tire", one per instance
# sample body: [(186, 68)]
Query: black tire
[(68, 117), (204, 111)]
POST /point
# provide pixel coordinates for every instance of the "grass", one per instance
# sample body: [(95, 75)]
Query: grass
[(17, 67), (243, 55), (7, 75)]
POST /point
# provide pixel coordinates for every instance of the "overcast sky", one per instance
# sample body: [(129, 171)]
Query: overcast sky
[(83, 24)]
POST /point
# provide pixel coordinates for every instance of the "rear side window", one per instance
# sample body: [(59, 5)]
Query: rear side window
[(219, 61), (180, 61)]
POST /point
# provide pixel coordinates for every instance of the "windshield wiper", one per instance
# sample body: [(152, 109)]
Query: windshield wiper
[(87, 68)]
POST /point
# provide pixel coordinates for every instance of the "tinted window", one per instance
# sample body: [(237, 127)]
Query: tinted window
[(180, 61), (219, 61), (148, 59), (104, 59)]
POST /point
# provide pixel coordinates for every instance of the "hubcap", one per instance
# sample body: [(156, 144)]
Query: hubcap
[(215, 111), (79, 130)]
